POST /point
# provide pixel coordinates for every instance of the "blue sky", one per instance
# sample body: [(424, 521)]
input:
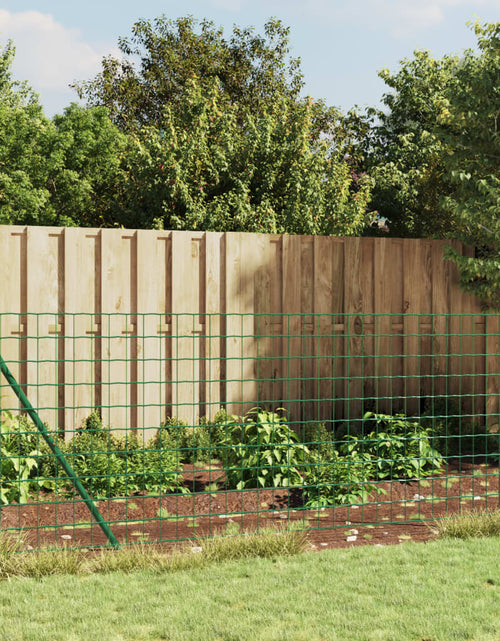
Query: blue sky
[(342, 43)]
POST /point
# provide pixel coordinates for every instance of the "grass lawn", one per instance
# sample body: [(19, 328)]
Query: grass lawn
[(444, 590)]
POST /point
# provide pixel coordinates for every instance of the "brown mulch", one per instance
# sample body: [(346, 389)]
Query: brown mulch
[(403, 513)]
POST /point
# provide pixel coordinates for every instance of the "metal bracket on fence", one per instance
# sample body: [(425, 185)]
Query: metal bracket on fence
[(59, 455)]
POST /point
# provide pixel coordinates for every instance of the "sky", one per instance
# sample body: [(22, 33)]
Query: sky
[(342, 44)]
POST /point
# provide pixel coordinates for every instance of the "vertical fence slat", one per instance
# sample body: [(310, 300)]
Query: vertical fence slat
[(292, 325), (153, 330), (324, 328), (117, 327), (214, 322), (354, 326), (233, 306), (186, 328), (440, 320), (309, 370), (383, 267), (80, 328), (45, 300), (492, 370), (12, 302)]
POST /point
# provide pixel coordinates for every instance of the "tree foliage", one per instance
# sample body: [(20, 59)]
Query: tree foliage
[(470, 125), (434, 155), (25, 134), (220, 138), (213, 166), (63, 171), (406, 154), (163, 57)]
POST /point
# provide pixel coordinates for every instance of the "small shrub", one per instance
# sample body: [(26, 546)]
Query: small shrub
[(172, 435), (200, 443), (341, 481), (112, 465), (210, 436), (19, 458), (262, 451), (398, 448), (319, 441)]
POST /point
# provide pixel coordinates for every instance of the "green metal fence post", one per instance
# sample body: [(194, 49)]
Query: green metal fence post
[(57, 452)]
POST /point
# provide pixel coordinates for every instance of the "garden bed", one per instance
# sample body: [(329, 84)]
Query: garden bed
[(402, 512)]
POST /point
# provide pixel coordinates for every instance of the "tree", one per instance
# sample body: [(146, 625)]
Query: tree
[(470, 125), (25, 135), (215, 167), (405, 154), (220, 138), (87, 176), (162, 58), (61, 172)]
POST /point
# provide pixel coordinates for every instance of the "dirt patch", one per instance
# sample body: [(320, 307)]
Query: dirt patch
[(403, 512)]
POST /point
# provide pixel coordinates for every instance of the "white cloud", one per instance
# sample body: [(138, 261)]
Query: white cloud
[(49, 55)]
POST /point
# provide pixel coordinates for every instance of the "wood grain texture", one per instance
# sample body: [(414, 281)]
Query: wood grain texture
[(150, 324)]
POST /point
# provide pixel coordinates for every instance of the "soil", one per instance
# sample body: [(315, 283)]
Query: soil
[(404, 512)]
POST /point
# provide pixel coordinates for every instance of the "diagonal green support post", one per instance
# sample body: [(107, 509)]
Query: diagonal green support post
[(59, 455)]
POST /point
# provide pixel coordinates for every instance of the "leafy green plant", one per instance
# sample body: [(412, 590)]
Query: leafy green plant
[(398, 448), (262, 451), (172, 435), (21, 448), (318, 439), (110, 465), (341, 481), (200, 443), (15, 466)]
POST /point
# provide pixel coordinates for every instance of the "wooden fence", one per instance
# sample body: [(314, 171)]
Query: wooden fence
[(151, 323)]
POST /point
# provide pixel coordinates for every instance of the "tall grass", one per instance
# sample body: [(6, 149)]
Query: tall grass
[(469, 525), (16, 561)]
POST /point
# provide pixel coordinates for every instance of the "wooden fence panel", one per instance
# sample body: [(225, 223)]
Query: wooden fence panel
[(147, 324)]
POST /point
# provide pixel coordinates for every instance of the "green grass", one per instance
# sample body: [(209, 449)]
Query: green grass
[(443, 591)]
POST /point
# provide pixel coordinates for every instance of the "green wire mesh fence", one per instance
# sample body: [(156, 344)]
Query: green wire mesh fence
[(183, 426)]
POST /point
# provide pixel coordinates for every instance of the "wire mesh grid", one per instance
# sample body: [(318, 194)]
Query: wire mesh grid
[(185, 425)]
